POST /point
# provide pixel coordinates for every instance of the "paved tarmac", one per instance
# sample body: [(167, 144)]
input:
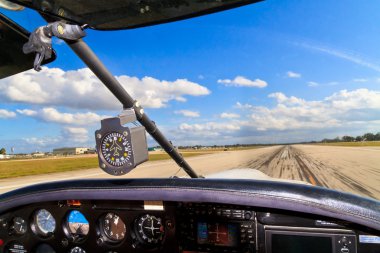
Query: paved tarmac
[(350, 169)]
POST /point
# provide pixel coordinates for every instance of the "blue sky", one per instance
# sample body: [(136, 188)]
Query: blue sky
[(276, 71)]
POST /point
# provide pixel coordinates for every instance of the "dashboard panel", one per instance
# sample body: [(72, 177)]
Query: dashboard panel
[(163, 216), (155, 226)]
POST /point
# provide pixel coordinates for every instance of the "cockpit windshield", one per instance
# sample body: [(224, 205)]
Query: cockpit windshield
[(280, 90)]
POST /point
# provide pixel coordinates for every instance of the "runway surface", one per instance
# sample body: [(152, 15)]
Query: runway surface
[(350, 169)]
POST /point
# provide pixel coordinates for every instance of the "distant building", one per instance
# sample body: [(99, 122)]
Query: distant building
[(70, 151), (5, 157), (155, 149), (38, 154)]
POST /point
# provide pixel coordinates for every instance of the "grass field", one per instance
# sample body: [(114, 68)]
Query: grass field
[(353, 144), (15, 168)]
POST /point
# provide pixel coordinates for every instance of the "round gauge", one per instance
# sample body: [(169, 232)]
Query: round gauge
[(77, 225), (116, 149), (150, 229), (44, 222), (19, 226), (113, 227), (77, 250)]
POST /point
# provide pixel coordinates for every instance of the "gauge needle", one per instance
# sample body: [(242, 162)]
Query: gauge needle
[(116, 221)]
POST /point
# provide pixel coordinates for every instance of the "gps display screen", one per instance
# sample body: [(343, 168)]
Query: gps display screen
[(218, 234), (300, 244)]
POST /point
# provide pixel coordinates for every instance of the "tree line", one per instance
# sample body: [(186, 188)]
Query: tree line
[(347, 138)]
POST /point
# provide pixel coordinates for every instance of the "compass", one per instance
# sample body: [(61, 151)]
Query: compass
[(116, 149), (120, 148)]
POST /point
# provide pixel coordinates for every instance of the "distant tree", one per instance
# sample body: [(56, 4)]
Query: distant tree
[(369, 137), (377, 137), (358, 138), (348, 138), (3, 151)]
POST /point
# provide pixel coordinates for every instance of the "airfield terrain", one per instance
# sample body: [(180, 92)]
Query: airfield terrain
[(351, 169)]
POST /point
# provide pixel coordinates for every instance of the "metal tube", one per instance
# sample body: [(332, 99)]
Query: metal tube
[(97, 67)]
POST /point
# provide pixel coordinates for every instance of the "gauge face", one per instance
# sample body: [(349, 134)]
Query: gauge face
[(116, 149), (19, 226), (150, 229), (77, 224), (44, 222), (113, 227)]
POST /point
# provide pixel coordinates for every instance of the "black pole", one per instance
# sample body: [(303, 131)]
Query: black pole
[(97, 67)]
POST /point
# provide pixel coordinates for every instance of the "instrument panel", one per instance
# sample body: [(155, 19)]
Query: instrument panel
[(107, 226), (89, 226)]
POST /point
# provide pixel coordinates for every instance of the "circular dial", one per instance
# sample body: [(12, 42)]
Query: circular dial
[(77, 224), (150, 229), (116, 149), (19, 226), (44, 222), (77, 250), (113, 227)]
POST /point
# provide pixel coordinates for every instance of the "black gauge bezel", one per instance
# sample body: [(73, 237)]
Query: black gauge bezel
[(67, 231), (37, 230), (145, 243), (105, 235), (25, 226)]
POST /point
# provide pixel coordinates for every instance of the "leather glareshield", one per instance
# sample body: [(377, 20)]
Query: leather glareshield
[(12, 39)]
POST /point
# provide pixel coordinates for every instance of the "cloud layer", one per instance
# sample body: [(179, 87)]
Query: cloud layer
[(81, 89), (293, 119), (49, 114)]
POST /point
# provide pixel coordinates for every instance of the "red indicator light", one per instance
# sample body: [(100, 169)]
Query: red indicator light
[(74, 203), (1, 242)]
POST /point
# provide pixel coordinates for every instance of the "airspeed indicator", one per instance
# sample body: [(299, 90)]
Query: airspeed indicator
[(116, 149)]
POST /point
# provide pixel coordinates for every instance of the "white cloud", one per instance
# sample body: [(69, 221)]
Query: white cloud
[(239, 105), (50, 114), (348, 56), (5, 114), (241, 81), (292, 74), (360, 80), (27, 112), (312, 84), (226, 115), (188, 113), (42, 141), (209, 128), (81, 89), (77, 134), (70, 136)]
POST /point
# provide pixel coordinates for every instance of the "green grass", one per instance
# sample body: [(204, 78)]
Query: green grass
[(15, 168), (354, 144)]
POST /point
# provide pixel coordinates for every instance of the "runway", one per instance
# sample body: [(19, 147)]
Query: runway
[(350, 169)]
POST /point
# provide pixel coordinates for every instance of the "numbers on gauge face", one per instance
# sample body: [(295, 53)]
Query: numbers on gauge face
[(150, 229), (116, 149), (114, 228), (44, 222), (77, 224)]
